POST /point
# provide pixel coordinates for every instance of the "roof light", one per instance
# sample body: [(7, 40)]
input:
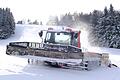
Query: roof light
[(68, 29), (50, 28)]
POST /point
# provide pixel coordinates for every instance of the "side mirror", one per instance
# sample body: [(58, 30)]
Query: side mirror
[(41, 33)]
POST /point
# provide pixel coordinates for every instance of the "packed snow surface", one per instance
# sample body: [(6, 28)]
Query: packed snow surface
[(16, 68)]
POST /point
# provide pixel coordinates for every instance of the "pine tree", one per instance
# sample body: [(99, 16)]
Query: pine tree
[(56, 20), (66, 20), (41, 23), (111, 10), (36, 22), (106, 31), (7, 23), (95, 16), (20, 22), (105, 12)]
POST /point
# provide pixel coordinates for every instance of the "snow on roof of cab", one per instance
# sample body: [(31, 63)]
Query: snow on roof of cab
[(63, 29)]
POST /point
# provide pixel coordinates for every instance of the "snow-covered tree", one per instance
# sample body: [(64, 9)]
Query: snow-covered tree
[(7, 23), (66, 20), (41, 23), (106, 32), (53, 20), (36, 22)]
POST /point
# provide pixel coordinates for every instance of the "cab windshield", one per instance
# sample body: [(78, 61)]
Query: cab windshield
[(58, 38)]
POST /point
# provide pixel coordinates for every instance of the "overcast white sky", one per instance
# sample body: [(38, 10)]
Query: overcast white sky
[(42, 9)]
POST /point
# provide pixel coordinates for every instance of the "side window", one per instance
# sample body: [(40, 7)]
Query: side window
[(37, 45), (33, 45), (48, 36)]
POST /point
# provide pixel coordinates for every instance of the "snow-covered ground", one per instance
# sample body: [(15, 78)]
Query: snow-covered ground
[(15, 68)]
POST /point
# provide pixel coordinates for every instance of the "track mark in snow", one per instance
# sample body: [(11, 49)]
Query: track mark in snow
[(10, 70), (17, 65)]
